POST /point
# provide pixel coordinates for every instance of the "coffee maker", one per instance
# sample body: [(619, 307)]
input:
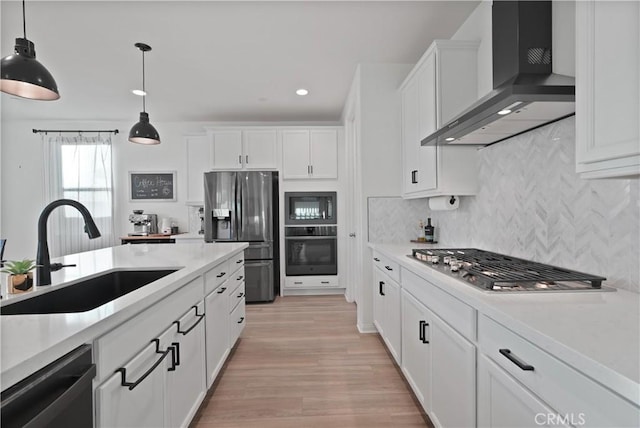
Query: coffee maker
[(143, 224)]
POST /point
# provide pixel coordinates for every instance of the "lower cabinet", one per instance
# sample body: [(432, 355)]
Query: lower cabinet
[(217, 341), (386, 312), (439, 364)]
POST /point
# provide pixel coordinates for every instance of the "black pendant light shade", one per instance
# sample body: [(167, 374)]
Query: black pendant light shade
[(23, 76), (143, 132)]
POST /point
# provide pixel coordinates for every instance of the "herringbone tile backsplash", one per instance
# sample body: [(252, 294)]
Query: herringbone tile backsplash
[(532, 204)]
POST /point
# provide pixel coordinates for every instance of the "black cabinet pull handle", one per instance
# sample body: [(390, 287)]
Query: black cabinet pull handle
[(380, 288), (376, 259), (123, 370), (240, 295), (199, 316), (423, 335), (239, 261), (507, 353), (175, 355), (239, 278), (247, 158), (221, 275), (324, 282), (414, 174), (241, 319), (222, 290), (388, 268)]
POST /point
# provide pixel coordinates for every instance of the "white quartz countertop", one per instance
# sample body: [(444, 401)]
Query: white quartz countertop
[(597, 333), (29, 342)]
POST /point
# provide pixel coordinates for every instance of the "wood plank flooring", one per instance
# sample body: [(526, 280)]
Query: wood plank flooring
[(301, 362)]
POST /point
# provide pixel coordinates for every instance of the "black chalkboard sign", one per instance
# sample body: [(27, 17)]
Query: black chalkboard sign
[(150, 186)]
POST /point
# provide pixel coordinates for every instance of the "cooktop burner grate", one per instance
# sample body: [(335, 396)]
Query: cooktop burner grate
[(497, 271)]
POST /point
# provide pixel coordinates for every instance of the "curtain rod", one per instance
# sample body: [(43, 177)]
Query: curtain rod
[(79, 131)]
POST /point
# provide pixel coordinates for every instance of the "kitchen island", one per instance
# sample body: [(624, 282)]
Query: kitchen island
[(29, 342)]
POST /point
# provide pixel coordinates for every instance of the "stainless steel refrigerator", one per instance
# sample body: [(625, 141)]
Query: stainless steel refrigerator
[(243, 207)]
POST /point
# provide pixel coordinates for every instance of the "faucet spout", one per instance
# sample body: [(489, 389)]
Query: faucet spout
[(42, 258)]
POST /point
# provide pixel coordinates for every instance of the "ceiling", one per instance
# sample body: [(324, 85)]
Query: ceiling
[(215, 60)]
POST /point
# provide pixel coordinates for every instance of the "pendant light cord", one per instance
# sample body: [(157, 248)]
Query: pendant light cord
[(144, 97), (24, 20)]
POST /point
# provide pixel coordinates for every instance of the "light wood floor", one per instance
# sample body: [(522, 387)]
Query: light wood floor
[(301, 362)]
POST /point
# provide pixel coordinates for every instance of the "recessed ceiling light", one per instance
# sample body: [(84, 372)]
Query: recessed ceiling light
[(139, 92), (302, 92), (503, 112), (449, 139)]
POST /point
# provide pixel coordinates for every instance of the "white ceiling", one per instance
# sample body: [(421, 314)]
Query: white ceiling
[(213, 60)]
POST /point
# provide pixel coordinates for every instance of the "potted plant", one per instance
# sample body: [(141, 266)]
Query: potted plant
[(20, 275)]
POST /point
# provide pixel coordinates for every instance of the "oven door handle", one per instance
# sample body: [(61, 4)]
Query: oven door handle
[(310, 237)]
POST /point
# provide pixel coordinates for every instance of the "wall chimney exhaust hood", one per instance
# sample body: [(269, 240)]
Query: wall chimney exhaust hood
[(526, 93)]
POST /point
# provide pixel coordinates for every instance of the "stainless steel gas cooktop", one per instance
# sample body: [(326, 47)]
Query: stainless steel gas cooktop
[(497, 272)]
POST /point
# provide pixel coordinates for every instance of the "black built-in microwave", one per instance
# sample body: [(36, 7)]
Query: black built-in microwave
[(306, 208)]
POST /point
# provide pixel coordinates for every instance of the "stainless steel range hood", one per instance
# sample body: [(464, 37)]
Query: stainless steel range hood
[(526, 93)]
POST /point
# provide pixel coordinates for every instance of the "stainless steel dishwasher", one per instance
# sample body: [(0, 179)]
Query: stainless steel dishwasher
[(58, 395)]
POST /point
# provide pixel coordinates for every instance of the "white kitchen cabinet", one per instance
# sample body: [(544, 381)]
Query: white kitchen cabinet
[(217, 331), (416, 358), (310, 153), (247, 148), (198, 162), (607, 88), (185, 376), (442, 84), (387, 312), (503, 402), (140, 406)]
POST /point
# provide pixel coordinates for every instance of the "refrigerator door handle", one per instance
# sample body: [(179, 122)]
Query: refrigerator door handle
[(238, 213)]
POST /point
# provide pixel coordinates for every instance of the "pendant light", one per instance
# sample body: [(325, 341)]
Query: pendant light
[(143, 132), (22, 75)]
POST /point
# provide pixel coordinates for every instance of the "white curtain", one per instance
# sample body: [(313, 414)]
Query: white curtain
[(78, 168)]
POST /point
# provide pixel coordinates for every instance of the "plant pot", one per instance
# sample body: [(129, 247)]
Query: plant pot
[(20, 283)]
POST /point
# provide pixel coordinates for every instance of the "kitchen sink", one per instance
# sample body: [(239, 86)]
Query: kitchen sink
[(86, 295)]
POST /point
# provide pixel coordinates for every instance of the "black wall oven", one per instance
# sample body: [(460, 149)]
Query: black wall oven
[(311, 250), (307, 208)]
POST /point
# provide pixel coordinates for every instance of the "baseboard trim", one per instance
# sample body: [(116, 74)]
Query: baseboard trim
[(367, 328)]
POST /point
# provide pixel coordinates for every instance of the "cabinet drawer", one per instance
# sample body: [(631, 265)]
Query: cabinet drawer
[(236, 261), (236, 296), (566, 390), (454, 312), (311, 281), (236, 323), (121, 343), (216, 276), (387, 265)]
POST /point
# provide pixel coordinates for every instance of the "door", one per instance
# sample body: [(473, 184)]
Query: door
[(255, 206), (428, 102), (295, 154), (410, 138), (324, 153), (219, 206), (379, 284), (217, 331), (353, 265), (392, 320), (259, 280), (260, 149), (186, 376), (139, 405), (227, 149), (416, 359), (453, 375), (505, 403)]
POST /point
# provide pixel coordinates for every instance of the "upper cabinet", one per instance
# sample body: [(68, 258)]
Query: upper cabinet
[(441, 85), (607, 88), (310, 153), (244, 149)]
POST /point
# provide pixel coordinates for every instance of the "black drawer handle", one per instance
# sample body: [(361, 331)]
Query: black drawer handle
[(175, 356), (324, 282), (239, 278), (414, 174), (507, 353), (241, 320), (376, 259), (240, 295), (380, 288), (199, 316), (388, 268), (239, 261), (123, 370), (222, 290), (221, 275), (423, 335)]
